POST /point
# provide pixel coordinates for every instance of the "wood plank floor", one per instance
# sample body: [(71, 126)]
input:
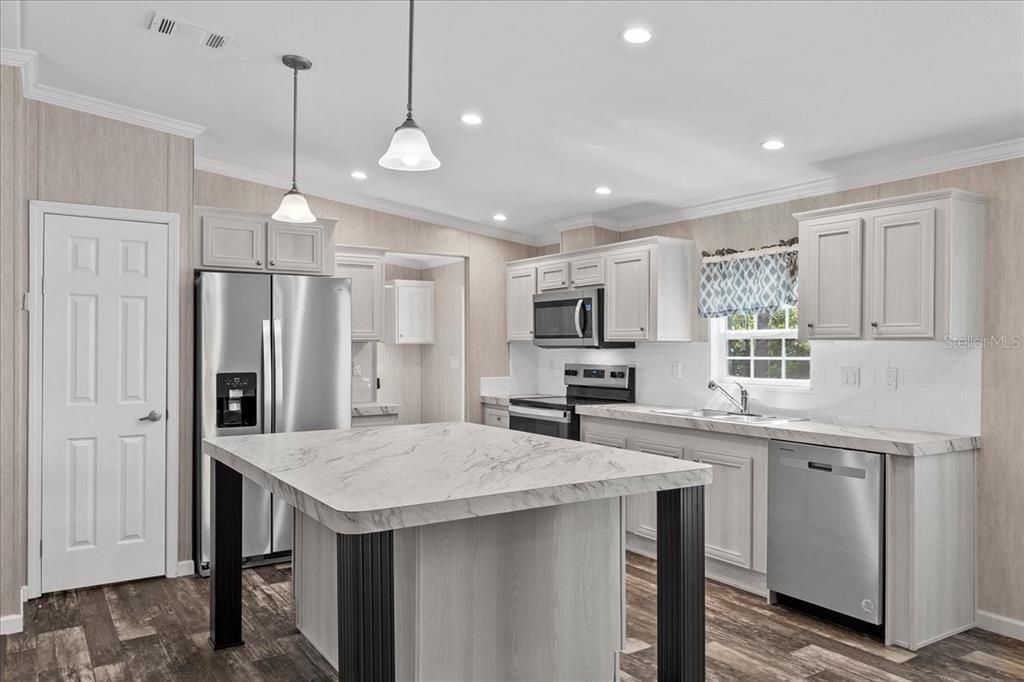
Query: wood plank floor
[(157, 630)]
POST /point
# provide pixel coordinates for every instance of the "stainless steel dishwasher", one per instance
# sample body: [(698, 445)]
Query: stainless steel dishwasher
[(825, 516)]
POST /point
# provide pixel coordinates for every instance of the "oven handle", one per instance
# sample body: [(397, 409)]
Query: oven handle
[(576, 318), (560, 416)]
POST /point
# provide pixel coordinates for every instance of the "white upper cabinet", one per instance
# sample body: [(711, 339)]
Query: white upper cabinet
[(521, 285), (551, 276), (229, 242), (586, 272), (831, 257), (367, 274), (650, 287), (903, 276), (909, 267), (408, 311), (627, 298), (234, 240), (295, 248)]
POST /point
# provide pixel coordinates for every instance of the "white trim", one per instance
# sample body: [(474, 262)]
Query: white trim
[(184, 568), (37, 212), (1001, 625), (13, 623), (332, 193), (718, 334), (31, 88)]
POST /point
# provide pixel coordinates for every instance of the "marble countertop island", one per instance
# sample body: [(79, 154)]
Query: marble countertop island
[(376, 479), (890, 441)]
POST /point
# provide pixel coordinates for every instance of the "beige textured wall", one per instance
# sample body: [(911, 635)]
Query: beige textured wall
[(586, 237), (56, 154), (1000, 468), (403, 364), (443, 386)]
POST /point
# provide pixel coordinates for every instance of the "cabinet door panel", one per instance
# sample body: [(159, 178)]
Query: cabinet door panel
[(586, 272), (903, 275), (553, 276), (627, 304), (414, 312), (232, 242), (728, 532), (295, 247), (521, 285), (830, 279), (642, 510), (367, 275)]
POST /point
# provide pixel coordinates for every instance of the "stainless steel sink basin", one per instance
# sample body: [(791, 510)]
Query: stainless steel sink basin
[(722, 415)]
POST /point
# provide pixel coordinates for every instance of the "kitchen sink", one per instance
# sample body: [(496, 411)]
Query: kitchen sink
[(722, 415)]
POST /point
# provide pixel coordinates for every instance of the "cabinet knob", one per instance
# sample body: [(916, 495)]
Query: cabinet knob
[(641, 328), (810, 325), (874, 324), (273, 262), (259, 261)]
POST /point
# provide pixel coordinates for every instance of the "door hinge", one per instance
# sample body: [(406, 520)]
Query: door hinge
[(26, 301)]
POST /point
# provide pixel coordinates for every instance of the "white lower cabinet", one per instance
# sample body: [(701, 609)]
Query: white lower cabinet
[(495, 416), (735, 503)]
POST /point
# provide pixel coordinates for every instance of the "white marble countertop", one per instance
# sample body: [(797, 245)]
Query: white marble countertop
[(871, 438), (496, 400), (374, 409), (382, 478)]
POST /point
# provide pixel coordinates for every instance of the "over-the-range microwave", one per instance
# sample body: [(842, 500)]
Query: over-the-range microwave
[(571, 319)]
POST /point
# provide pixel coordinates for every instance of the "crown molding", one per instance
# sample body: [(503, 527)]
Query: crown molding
[(239, 172), (31, 88), (939, 163)]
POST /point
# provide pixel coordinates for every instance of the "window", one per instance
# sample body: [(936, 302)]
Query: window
[(765, 347)]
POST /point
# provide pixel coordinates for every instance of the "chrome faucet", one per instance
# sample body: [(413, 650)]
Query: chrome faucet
[(743, 403)]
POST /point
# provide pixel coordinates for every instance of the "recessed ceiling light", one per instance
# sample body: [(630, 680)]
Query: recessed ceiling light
[(773, 145), (500, 217), (636, 35), (359, 175), (471, 119), (603, 190)]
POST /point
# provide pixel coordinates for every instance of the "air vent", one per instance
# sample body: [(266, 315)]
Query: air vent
[(183, 30)]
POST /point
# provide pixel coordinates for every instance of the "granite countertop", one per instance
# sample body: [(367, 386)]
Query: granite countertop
[(871, 438), (374, 409), (382, 478)]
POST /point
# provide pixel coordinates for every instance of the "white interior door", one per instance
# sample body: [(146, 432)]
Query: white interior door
[(104, 363)]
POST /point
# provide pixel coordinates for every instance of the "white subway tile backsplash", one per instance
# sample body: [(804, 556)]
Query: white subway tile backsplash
[(939, 388)]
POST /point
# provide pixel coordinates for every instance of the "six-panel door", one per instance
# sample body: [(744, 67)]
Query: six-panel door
[(902, 285), (104, 401), (830, 279)]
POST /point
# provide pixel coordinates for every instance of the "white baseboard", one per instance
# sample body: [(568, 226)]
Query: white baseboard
[(15, 622), (1001, 625), (184, 568)]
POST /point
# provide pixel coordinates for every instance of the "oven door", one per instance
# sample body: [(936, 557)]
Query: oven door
[(554, 423), (566, 319)]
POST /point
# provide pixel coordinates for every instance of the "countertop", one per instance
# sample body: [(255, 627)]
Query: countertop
[(374, 409), (871, 438), (383, 478), (496, 400)]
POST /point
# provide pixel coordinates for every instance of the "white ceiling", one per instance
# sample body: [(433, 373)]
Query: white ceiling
[(851, 87)]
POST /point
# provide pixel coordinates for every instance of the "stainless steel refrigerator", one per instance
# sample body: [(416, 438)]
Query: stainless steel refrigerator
[(273, 353)]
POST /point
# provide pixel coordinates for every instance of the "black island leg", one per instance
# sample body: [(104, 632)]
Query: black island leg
[(681, 584), (366, 607), (226, 557)]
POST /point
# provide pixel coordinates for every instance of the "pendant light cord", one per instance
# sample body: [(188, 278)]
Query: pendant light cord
[(295, 117), (408, 103)]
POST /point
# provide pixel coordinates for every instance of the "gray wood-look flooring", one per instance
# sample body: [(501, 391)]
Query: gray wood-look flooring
[(157, 630)]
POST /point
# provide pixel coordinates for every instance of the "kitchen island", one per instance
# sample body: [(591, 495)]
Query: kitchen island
[(456, 551)]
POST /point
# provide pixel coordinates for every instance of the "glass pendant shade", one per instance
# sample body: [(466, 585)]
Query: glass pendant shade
[(294, 208), (409, 150)]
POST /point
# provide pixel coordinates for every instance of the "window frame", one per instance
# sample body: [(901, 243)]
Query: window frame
[(719, 336)]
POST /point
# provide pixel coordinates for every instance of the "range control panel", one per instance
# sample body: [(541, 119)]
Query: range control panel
[(611, 376)]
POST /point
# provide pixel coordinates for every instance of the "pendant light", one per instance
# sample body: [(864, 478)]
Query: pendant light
[(409, 149), (294, 208)]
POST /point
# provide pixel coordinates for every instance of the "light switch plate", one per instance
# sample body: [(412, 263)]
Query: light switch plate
[(891, 378), (849, 376)]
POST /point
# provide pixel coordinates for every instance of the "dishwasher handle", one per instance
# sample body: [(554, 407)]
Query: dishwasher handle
[(818, 466)]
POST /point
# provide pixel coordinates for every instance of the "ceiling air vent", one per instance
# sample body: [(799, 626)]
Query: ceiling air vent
[(183, 30)]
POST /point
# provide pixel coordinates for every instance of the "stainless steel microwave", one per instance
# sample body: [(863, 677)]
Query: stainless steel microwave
[(571, 319)]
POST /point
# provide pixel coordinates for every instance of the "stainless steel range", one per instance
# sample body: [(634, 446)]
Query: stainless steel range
[(585, 385)]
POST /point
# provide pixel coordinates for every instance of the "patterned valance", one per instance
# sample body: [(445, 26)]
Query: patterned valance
[(748, 283)]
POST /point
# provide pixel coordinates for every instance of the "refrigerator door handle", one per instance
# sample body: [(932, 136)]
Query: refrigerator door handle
[(278, 374), (267, 388)]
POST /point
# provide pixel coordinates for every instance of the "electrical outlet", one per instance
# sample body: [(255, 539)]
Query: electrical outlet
[(849, 376), (891, 378), (677, 370)]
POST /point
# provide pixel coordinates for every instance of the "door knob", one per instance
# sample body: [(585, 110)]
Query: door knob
[(153, 416)]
